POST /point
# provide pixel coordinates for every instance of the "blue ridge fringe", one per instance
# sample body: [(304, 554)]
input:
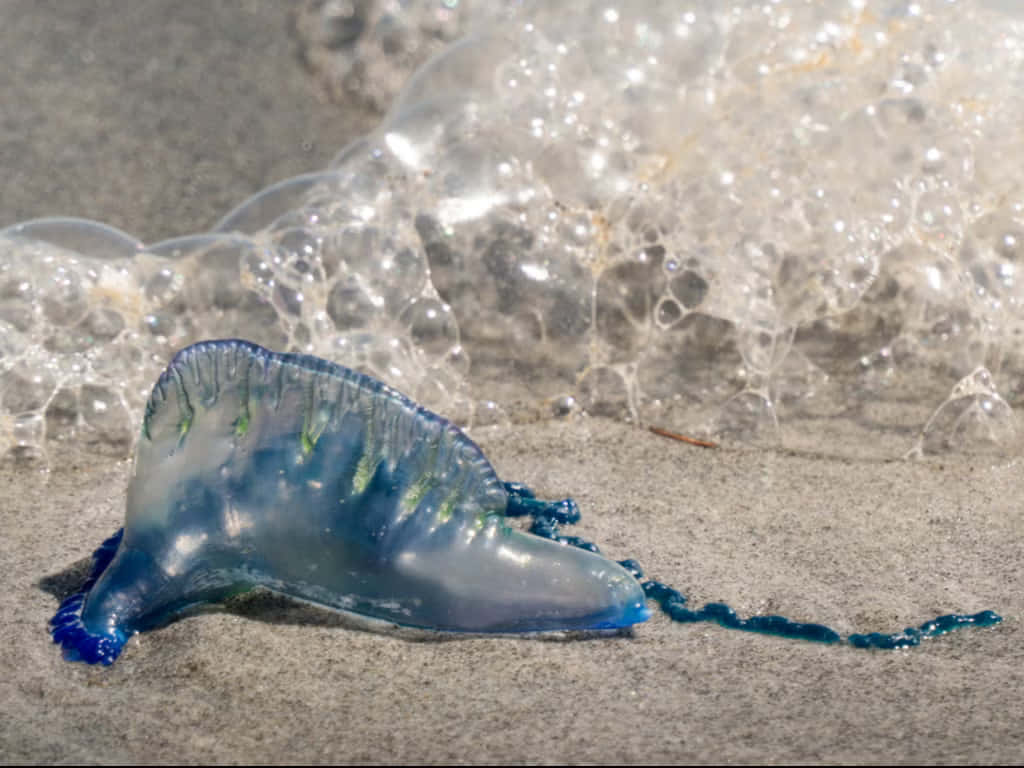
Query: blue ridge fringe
[(77, 642)]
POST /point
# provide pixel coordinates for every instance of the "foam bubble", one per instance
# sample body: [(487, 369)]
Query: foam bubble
[(717, 219)]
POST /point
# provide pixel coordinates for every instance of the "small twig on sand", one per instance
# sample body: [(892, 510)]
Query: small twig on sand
[(683, 438)]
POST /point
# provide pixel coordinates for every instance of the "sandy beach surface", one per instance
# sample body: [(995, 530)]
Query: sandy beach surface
[(156, 117), (813, 530), (860, 546)]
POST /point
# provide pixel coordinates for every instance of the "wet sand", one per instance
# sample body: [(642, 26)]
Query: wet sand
[(859, 545), (813, 530), (155, 116)]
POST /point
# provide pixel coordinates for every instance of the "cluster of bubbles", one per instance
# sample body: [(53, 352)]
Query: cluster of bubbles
[(717, 218), (89, 317)]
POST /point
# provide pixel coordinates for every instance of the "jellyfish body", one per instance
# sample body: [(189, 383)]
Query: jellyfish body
[(295, 474)]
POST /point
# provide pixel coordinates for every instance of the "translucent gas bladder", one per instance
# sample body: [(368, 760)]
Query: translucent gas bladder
[(736, 220)]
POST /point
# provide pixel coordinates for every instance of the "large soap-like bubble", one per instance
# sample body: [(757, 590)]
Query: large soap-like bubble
[(750, 220)]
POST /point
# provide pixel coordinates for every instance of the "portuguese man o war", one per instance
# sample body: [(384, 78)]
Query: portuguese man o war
[(259, 469), (313, 480)]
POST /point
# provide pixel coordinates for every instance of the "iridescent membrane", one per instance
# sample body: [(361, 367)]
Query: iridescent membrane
[(295, 474)]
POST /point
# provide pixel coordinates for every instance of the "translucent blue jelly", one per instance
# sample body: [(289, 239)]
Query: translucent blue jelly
[(295, 474)]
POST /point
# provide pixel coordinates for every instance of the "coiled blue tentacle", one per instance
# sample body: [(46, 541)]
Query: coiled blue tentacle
[(548, 516)]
